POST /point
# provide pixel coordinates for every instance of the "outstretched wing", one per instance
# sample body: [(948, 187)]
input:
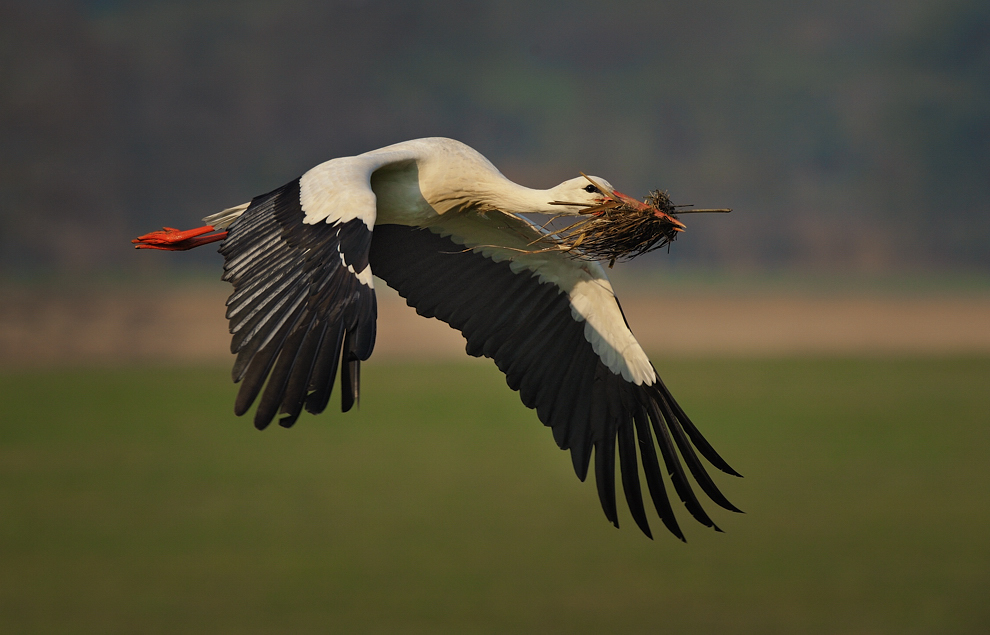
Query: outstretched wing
[(554, 327), (303, 300)]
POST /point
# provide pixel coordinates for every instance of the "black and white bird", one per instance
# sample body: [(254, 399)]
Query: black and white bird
[(440, 224)]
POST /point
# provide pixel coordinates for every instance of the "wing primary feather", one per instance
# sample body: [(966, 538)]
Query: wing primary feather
[(350, 374), (265, 325), (296, 310), (258, 369), (247, 326), (259, 311), (255, 256), (250, 295), (367, 319), (350, 378), (326, 370), (302, 372), (266, 332), (278, 379), (526, 326), (329, 296), (605, 478), (629, 468), (694, 464), (654, 478), (674, 469), (697, 438), (246, 229), (580, 434), (604, 445)]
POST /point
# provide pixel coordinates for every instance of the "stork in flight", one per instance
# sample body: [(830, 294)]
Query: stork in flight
[(440, 224)]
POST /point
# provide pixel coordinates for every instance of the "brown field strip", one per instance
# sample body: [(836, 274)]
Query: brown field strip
[(187, 325)]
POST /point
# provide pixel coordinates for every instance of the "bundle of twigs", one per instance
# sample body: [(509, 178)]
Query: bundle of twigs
[(621, 228)]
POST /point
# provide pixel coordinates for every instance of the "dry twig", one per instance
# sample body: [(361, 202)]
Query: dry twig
[(621, 228)]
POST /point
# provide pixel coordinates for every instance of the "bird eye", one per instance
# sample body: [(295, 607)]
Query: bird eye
[(591, 189)]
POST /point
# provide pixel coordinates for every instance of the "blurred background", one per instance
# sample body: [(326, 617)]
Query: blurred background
[(831, 336), (846, 135)]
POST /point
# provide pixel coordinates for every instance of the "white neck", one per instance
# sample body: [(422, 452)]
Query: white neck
[(517, 199)]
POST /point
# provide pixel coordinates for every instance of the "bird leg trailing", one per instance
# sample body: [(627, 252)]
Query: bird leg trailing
[(172, 239)]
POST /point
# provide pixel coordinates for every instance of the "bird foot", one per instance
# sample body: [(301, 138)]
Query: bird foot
[(172, 239)]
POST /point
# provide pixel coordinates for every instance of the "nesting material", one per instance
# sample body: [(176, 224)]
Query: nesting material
[(621, 228), (616, 230)]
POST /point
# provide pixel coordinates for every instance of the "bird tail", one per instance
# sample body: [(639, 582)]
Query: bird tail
[(222, 220)]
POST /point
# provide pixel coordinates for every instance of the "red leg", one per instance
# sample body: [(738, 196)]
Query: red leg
[(171, 239)]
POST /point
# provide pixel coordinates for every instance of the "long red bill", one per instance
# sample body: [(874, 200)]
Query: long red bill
[(640, 205)]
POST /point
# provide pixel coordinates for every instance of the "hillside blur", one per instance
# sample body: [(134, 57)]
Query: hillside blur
[(847, 135)]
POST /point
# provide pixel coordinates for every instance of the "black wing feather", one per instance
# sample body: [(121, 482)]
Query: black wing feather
[(297, 307), (299, 379), (527, 327), (674, 468), (629, 468), (298, 312), (651, 469), (321, 383)]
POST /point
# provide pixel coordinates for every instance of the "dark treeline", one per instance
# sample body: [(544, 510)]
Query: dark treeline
[(846, 134)]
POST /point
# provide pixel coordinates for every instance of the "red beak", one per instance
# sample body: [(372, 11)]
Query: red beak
[(640, 205)]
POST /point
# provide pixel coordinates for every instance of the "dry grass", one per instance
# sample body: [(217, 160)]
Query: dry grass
[(619, 229)]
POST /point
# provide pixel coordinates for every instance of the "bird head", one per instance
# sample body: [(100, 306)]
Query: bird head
[(588, 195), (575, 196)]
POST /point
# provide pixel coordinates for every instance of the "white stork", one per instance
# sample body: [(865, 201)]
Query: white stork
[(440, 224)]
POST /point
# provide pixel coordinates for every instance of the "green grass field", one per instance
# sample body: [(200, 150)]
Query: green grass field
[(133, 501)]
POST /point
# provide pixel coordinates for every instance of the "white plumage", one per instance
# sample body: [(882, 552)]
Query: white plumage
[(438, 222)]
